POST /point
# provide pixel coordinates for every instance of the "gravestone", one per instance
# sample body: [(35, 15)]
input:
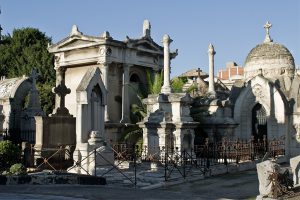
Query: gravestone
[(33, 109), (295, 165), (168, 124), (264, 170), (57, 130), (92, 153)]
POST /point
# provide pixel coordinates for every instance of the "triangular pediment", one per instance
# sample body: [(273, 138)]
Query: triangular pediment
[(74, 42), (77, 43), (147, 45)]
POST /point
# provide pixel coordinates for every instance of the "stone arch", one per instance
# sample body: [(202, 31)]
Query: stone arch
[(262, 91), (259, 121), (135, 78), (13, 93), (91, 99)]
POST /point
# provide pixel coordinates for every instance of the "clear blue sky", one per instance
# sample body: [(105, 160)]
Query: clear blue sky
[(234, 27)]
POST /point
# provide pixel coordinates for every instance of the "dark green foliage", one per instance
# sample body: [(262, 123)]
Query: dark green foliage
[(177, 84), (9, 154), (155, 82), (24, 50), (192, 88), (131, 134), (137, 113), (18, 169)]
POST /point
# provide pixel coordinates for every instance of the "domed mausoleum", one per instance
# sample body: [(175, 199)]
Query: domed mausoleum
[(267, 102)]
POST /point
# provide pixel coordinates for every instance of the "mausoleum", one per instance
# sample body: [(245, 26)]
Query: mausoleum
[(123, 66)]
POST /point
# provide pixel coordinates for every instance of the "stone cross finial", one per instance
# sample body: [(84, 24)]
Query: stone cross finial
[(34, 75), (267, 26), (61, 90), (199, 72)]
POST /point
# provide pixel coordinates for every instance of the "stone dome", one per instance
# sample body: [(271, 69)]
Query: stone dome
[(270, 59)]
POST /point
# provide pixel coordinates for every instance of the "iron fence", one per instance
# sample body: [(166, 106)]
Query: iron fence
[(236, 151), (171, 162), (18, 136)]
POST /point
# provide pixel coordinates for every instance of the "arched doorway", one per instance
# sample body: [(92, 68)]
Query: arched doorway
[(259, 122), (135, 78)]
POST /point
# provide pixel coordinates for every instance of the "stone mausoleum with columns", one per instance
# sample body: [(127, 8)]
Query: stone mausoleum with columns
[(265, 103), (122, 65)]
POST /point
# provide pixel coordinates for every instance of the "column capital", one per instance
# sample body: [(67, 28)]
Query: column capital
[(166, 39), (211, 49)]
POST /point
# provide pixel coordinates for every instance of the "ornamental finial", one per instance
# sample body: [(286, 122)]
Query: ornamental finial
[(267, 26)]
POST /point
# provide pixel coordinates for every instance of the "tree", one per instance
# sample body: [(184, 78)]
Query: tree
[(9, 154), (24, 50), (177, 84)]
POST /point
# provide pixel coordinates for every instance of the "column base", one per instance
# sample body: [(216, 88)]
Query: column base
[(125, 120), (212, 94), (166, 90)]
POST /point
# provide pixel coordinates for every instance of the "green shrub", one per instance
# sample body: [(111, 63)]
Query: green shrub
[(17, 169), (9, 154)]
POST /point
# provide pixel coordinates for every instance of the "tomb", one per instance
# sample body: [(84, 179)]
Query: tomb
[(123, 66), (168, 125), (17, 119)]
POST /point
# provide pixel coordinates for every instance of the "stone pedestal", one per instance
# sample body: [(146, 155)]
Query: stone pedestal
[(52, 132), (92, 157), (92, 153), (168, 125)]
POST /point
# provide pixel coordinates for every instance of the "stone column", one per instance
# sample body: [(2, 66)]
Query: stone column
[(104, 70), (211, 85), (125, 96), (166, 88)]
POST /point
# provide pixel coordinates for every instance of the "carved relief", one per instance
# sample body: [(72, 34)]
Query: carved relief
[(257, 91), (297, 136), (105, 51)]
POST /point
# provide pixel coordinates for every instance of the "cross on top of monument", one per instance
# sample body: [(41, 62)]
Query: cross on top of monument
[(199, 72), (267, 26), (34, 75), (61, 90)]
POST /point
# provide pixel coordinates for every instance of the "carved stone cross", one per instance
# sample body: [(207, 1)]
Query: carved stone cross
[(61, 90), (199, 72), (34, 75), (267, 26)]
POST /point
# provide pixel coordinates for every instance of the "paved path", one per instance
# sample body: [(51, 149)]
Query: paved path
[(242, 185)]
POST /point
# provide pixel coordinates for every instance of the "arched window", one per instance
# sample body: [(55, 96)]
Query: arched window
[(96, 101)]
